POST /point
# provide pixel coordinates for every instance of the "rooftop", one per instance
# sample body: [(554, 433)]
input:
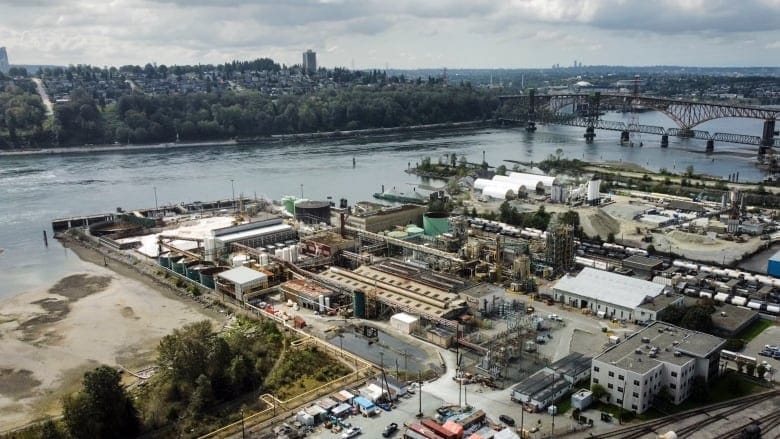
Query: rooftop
[(607, 287), (670, 343), (306, 288), (572, 365), (541, 385), (661, 302), (730, 318), (646, 263), (242, 275)]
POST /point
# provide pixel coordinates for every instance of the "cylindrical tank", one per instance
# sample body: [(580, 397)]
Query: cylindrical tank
[(312, 212), (593, 190), (327, 302), (321, 301), (436, 223), (359, 304), (279, 254), (288, 201), (264, 259), (286, 254)]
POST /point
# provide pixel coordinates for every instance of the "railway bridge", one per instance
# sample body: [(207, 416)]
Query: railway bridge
[(584, 110)]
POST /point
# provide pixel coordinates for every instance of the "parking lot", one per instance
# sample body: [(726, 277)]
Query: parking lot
[(771, 336), (404, 412)]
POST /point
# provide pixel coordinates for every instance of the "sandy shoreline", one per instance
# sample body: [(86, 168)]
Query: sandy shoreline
[(50, 337)]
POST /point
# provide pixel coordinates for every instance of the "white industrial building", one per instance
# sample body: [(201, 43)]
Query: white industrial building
[(606, 294), (661, 356), (241, 281), (254, 234), (405, 323), (517, 182), (548, 385)]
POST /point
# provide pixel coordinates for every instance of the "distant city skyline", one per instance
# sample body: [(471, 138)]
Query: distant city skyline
[(400, 35)]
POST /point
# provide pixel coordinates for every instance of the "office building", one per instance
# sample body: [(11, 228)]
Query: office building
[(310, 61), (4, 65)]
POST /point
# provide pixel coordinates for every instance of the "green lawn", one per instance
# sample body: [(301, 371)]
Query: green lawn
[(754, 329)]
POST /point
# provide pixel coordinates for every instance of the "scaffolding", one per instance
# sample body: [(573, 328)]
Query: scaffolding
[(559, 251)]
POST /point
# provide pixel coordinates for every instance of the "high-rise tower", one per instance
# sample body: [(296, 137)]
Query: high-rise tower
[(310, 61), (4, 65)]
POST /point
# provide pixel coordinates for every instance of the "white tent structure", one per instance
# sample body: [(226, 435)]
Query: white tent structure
[(517, 182)]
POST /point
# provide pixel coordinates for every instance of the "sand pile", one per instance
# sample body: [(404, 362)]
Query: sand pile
[(599, 223)]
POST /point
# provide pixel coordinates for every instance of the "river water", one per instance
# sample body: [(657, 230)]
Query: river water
[(35, 189)]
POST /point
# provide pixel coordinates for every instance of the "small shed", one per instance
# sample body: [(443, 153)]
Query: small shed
[(318, 413), (241, 281), (372, 392), (304, 418), (343, 396), (327, 404), (581, 399), (405, 323), (341, 410), (365, 406)]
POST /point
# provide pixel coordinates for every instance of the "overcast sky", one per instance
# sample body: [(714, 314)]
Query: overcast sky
[(394, 33)]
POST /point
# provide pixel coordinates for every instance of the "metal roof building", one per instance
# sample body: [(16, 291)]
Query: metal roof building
[(241, 281), (606, 294)]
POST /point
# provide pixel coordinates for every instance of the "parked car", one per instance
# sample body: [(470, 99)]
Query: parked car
[(352, 432), (389, 430), (507, 420)]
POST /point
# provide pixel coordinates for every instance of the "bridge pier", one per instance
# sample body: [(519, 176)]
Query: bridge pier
[(625, 136), (665, 141), (768, 137), (710, 145), (590, 134), (530, 126)]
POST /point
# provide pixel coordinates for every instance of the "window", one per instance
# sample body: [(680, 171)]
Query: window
[(612, 374), (674, 374), (633, 406), (595, 368), (636, 382), (672, 386), (636, 395), (609, 385), (619, 401), (620, 389), (595, 380), (621, 378)]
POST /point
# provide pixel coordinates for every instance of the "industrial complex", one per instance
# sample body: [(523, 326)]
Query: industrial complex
[(512, 302)]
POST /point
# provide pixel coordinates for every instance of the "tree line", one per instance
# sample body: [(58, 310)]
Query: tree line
[(138, 118)]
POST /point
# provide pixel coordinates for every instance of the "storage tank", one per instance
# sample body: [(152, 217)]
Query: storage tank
[(413, 230), (321, 301), (264, 259), (359, 304), (594, 196), (288, 201), (773, 308), (279, 254), (312, 212), (286, 254), (436, 223)]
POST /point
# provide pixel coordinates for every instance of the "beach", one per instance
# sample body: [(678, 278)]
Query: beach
[(103, 315)]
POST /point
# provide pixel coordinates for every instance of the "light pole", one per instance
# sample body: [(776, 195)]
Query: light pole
[(233, 193), (155, 200)]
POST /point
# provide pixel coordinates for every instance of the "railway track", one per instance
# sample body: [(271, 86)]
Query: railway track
[(768, 424), (651, 427)]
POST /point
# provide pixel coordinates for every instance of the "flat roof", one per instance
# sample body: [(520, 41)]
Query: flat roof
[(541, 385), (608, 287), (242, 275), (644, 262), (305, 287), (661, 302), (396, 290), (667, 339), (252, 233), (734, 317), (573, 364)]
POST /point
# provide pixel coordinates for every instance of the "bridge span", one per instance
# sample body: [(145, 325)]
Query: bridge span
[(584, 110)]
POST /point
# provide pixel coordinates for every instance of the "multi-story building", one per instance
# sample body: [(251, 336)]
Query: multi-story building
[(660, 358), (4, 65), (310, 61)]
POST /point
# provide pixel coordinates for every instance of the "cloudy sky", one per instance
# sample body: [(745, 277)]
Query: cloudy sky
[(394, 33)]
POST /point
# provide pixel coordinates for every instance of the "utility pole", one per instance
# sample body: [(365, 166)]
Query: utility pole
[(419, 391), (243, 431), (233, 193), (155, 200)]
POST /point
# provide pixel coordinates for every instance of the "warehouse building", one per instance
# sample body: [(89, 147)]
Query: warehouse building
[(241, 281), (255, 234), (729, 320), (643, 266), (307, 294), (374, 218), (550, 384), (661, 357), (606, 294)]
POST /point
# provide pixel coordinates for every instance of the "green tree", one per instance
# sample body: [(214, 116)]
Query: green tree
[(49, 430), (202, 397), (760, 371), (650, 249), (598, 391), (501, 170), (102, 408), (610, 237), (689, 171)]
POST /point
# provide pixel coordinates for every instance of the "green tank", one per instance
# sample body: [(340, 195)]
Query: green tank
[(436, 223)]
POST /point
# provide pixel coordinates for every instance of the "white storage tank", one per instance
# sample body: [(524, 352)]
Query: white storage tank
[(321, 301), (721, 297), (754, 305), (705, 295), (594, 196), (279, 254), (738, 300), (264, 259), (773, 308), (286, 254)]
